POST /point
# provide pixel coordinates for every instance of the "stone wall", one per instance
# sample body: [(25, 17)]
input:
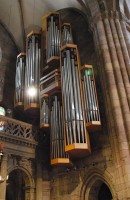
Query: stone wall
[(8, 54)]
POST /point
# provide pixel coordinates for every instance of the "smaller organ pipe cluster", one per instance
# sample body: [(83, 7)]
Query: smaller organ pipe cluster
[(66, 35), (53, 36), (33, 61), (19, 78), (90, 95), (74, 118), (44, 111), (57, 132)]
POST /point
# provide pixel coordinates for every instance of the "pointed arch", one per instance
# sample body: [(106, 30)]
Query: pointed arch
[(93, 181)]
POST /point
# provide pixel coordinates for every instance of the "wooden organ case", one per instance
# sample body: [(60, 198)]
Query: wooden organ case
[(50, 89)]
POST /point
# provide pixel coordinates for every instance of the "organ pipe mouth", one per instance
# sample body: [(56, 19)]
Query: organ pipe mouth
[(32, 91)]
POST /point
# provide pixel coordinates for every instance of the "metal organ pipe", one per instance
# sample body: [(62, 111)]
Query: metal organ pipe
[(33, 66), (90, 96), (57, 133), (74, 122), (66, 36), (19, 78), (45, 111), (53, 36)]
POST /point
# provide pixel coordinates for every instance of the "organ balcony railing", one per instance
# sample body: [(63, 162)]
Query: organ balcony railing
[(20, 80), (76, 136), (16, 131), (92, 114), (33, 62)]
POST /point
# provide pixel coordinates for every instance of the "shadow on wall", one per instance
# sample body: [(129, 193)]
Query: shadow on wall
[(8, 54), (66, 183)]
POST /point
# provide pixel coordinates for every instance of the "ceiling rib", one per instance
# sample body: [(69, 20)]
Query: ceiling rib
[(22, 23)]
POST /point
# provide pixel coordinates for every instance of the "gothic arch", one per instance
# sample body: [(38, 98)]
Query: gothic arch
[(92, 183), (28, 179)]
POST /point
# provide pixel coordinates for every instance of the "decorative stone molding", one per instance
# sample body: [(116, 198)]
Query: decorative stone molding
[(18, 132)]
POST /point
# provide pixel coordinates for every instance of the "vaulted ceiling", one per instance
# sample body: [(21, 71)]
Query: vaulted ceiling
[(20, 16)]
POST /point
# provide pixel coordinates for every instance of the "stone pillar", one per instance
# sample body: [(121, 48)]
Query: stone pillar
[(3, 173), (46, 185), (32, 193), (39, 186), (46, 190), (125, 34), (123, 44), (115, 106), (120, 57), (121, 76)]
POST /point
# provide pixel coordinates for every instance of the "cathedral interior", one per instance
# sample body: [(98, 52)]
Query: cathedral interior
[(65, 99)]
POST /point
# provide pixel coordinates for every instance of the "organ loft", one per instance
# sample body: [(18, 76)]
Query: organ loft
[(65, 100)]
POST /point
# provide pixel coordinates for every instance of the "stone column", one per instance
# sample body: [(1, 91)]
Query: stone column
[(117, 129), (39, 186), (3, 173), (32, 193), (46, 190), (120, 57), (123, 44), (46, 186), (125, 33), (121, 76)]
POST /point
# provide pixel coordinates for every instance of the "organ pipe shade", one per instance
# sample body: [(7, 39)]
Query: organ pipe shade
[(44, 111), (66, 34), (90, 95), (57, 131), (33, 61), (75, 128), (20, 79)]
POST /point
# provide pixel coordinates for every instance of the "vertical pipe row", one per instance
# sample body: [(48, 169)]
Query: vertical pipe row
[(74, 122), (19, 78), (33, 66), (57, 134), (53, 36), (90, 99), (66, 36), (44, 112)]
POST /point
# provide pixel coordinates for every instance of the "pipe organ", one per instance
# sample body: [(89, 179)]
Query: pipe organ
[(50, 84), (33, 60), (64, 91), (93, 122), (19, 80)]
